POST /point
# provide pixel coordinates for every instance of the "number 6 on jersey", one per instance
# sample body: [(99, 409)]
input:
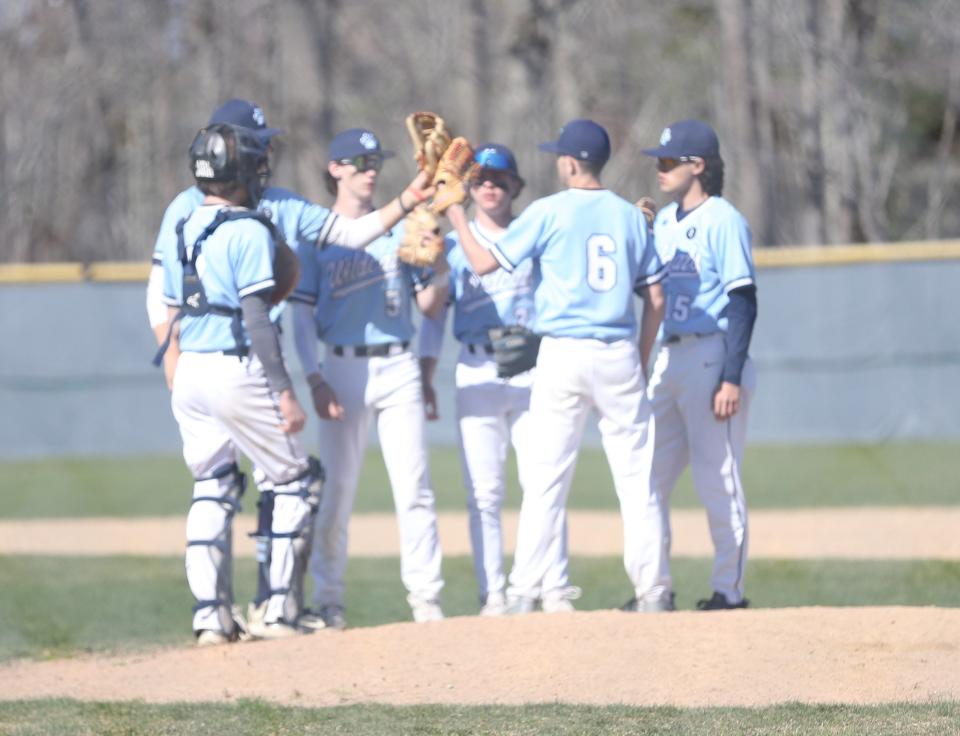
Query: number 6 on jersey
[(601, 268)]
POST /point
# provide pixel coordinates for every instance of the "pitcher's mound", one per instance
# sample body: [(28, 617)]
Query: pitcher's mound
[(752, 657)]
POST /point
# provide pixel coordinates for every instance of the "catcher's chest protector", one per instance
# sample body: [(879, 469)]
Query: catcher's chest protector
[(194, 301)]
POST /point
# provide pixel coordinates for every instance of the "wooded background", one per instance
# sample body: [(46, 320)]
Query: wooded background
[(837, 118)]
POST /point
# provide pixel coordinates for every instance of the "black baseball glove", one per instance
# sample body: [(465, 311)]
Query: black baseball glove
[(515, 349)]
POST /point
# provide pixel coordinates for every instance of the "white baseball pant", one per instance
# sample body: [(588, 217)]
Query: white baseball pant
[(492, 413), (574, 376), (388, 390), (223, 404), (685, 376)]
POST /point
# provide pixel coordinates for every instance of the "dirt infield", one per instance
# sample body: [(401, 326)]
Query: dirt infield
[(808, 655), (753, 657), (852, 533)]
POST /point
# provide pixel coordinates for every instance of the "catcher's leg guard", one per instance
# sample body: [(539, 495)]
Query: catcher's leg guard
[(263, 536), (209, 557), (294, 509)]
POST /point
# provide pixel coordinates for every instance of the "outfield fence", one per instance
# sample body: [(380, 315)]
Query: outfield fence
[(853, 344)]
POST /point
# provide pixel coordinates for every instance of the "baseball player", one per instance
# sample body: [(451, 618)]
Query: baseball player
[(591, 251), (703, 380), (358, 302), (232, 392), (299, 220), (491, 412)]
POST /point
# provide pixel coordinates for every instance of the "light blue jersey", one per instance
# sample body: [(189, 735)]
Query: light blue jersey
[(182, 205), (300, 220), (591, 250), (707, 255), (234, 262), (496, 299), (360, 297)]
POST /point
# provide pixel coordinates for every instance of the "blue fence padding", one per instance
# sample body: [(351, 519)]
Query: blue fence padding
[(858, 353)]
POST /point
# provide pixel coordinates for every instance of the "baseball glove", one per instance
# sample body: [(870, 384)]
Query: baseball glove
[(515, 349), (422, 243), (453, 175), (286, 272), (430, 139)]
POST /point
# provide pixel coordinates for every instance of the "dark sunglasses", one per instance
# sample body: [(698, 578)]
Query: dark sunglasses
[(499, 179), (364, 162), (669, 164)]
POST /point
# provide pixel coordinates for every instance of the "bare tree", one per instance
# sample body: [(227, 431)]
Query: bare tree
[(744, 110), (838, 117)]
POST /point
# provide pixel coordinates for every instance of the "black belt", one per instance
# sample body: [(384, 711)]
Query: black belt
[(371, 351), (671, 339), (475, 348), (237, 352)]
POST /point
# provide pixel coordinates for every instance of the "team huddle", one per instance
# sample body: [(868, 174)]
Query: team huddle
[(543, 309)]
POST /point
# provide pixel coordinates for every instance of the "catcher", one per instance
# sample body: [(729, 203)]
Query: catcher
[(303, 223), (232, 392)]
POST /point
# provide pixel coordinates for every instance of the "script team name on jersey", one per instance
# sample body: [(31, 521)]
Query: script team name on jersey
[(356, 269)]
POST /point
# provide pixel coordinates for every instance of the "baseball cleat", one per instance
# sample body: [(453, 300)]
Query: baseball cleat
[(312, 620), (332, 617), (424, 609), (210, 638), (255, 614), (719, 602), (661, 604), (560, 600), (495, 605), (518, 605), (276, 630)]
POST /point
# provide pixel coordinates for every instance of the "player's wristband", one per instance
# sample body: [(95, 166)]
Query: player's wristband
[(315, 380), (417, 199)]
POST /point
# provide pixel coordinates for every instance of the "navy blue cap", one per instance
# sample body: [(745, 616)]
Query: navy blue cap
[(687, 138), (582, 139), (247, 115), (498, 157), (355, 142)]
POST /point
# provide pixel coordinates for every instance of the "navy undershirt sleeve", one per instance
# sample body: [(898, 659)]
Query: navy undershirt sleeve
[(741, 315)]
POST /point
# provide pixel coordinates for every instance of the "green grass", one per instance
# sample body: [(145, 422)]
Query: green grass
[(775, 477), (253, 718), (61, 606)]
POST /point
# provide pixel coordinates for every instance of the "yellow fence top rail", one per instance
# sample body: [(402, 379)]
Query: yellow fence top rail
[(40, 273), (787, 257), (839, 255)]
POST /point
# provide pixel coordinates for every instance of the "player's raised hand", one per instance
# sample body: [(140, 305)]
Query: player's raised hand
[(421, 188), (292, 413), (325, 401), (726, 401)]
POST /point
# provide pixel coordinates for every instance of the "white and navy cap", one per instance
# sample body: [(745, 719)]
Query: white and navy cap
[(356, 142), (687, 138), (245, 114)]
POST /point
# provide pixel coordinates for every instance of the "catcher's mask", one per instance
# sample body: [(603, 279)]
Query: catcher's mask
[(226, 153)]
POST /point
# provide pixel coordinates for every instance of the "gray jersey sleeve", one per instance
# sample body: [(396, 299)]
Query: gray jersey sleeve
[(265, 340)]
